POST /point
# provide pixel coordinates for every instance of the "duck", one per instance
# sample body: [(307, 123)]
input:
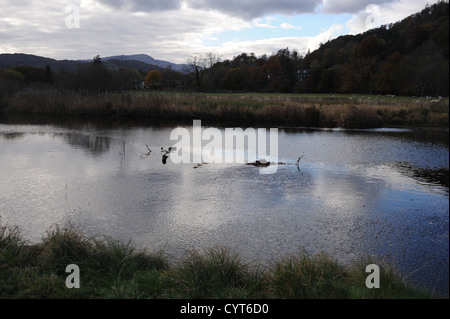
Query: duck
[(164, 158)]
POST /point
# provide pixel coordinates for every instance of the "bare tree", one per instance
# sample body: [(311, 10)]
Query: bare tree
[(212, 59), (201, 66), (197, 63)]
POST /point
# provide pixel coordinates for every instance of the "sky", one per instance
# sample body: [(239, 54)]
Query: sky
[(175, 30)]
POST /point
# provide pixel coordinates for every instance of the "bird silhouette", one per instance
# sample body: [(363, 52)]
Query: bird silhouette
[(298, 162), (164, 158)]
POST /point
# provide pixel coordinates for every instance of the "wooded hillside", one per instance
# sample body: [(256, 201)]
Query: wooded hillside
[(410, 57)]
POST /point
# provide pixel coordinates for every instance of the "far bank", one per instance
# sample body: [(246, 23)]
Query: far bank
[(293, 110)]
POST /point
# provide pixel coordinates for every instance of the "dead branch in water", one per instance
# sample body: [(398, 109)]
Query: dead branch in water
[(149, 150)]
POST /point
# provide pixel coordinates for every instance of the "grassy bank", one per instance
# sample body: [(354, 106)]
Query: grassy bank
[(319, 110), (111, 269)]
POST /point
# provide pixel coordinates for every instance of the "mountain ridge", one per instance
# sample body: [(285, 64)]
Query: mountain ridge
[(145, 58), (140, 62)]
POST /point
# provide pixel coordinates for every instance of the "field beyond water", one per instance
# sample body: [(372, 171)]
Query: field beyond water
[(112, 269), (298, 110)]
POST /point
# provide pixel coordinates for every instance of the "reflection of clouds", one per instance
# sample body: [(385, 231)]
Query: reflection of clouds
[(345, 204), (345, 197), (360, 185), (351, 196), (377, 210), (133, 206), (351, 188)]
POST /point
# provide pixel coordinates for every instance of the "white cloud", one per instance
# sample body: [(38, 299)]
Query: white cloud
[(171, 35), (272, 45), (264, 23), (288, 26)]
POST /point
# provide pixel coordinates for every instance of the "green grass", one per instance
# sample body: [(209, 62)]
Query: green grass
[(111, 269), (297, 110)]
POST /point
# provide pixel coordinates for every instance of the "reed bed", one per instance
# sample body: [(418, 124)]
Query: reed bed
[(246, 109), (112, 269)]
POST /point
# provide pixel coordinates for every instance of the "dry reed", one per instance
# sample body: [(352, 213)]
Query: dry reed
[(298, 110)]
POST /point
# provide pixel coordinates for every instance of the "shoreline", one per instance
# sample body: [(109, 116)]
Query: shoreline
[(32, 118)]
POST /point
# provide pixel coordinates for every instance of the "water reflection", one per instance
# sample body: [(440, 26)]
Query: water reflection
[(432, 176), (10, 136), (355, 193), (93, 143)]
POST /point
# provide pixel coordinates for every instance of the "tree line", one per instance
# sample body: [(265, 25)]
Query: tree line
[(94, 76), (410, 57)]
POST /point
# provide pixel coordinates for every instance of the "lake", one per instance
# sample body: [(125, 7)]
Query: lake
[(355, 193)]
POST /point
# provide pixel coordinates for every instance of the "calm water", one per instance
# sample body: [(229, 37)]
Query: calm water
[(380, 192)]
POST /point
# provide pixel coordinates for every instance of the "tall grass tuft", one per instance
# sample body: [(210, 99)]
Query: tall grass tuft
[(304, 277), (14, 251), (64, 245), (113, 259), (216, 273), (101, 258), (114, 269)]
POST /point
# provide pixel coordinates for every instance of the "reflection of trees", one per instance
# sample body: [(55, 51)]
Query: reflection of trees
[(10, 136), (95, 144), (434, 176)]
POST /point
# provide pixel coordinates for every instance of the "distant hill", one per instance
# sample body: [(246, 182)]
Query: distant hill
[(8, 60), (147, 60), (140, 62)]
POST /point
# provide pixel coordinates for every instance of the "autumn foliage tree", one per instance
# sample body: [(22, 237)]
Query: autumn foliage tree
[(153, 79)]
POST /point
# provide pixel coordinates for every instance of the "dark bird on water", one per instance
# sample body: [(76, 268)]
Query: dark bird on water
[(164, 158), (298, 161)]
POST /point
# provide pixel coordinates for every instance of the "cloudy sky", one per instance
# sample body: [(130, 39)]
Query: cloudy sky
[(174, 30)]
